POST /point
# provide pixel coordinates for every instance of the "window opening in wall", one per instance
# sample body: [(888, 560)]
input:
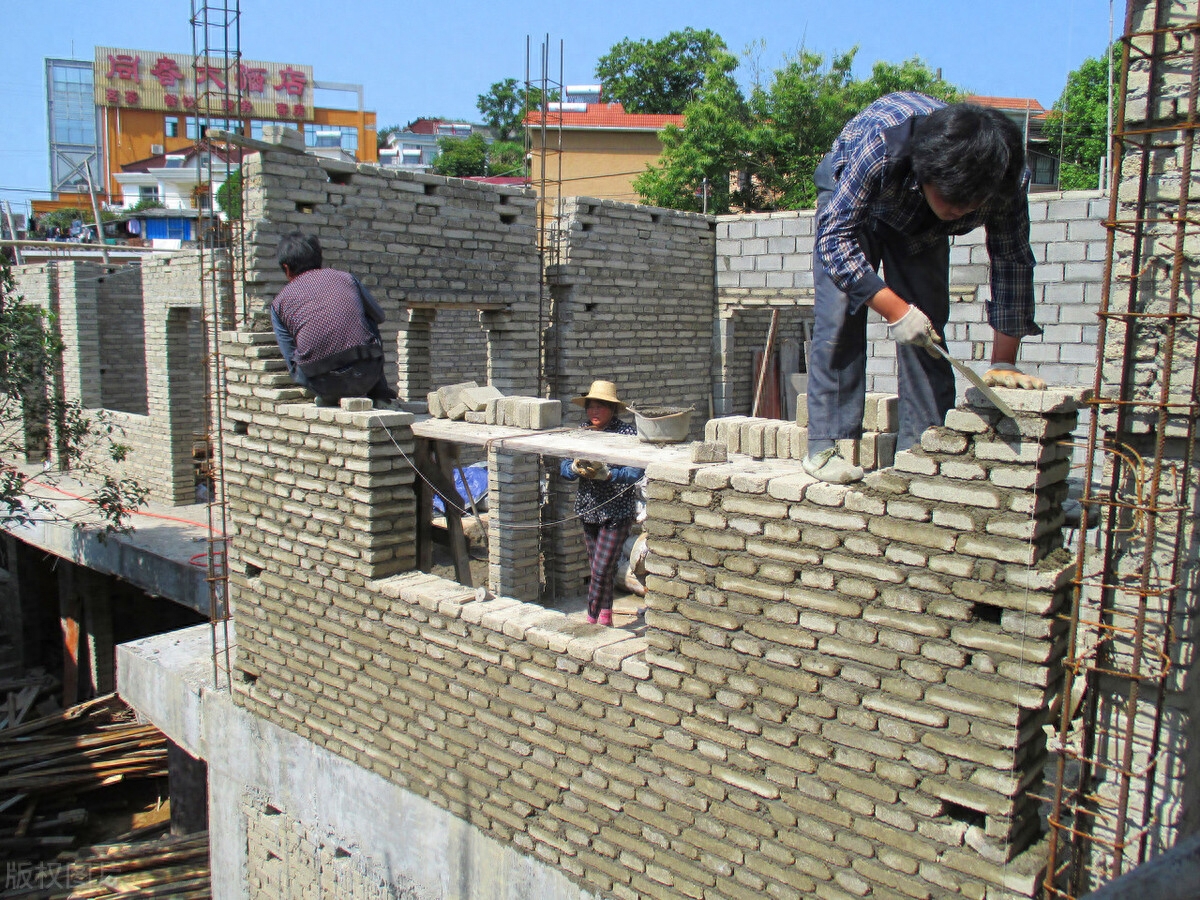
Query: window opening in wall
[(171, 126)]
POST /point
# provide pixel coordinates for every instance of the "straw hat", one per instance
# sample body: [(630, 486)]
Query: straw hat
[(600, 390)]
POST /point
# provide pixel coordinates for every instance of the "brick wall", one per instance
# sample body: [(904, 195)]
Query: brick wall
[(840, 690), (765, 260), (418, 242), (134, 338)]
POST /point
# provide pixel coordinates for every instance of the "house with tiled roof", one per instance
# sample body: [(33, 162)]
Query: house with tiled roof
[(593, 149)]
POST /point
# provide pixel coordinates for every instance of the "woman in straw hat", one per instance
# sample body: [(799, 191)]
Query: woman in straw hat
[(605, 502)]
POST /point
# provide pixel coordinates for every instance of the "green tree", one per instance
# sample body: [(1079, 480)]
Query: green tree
[(770, 144), (29, 352), (461, 157), (1077, 125), (505, 106), (229, 195), (663, 76), (506, 158)]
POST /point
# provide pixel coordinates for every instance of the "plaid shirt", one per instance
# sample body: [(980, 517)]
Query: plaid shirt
[(875, 184)]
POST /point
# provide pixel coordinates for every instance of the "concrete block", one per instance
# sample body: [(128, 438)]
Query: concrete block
[(435, 405), (476, 398), (709, 451), (451, 394), (490, 412), (545, 414)]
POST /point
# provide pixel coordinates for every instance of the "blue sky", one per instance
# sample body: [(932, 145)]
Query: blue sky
[(435, 58)]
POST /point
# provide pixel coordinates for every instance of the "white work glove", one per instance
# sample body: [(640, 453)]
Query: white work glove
[(594, 471), (1009, 376), (914, 328)]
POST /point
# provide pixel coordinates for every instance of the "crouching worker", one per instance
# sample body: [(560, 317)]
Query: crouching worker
[(605, 502), (327, 326), (903, 176)]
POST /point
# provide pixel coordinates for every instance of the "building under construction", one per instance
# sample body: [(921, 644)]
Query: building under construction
[(937, 682)]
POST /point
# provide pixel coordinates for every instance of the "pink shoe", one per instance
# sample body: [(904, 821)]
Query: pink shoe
[(606, 617), (591, 619)]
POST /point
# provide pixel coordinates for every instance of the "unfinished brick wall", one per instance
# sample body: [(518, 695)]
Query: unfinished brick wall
[(286, 861), (134, 338), (839, 693), (632, 303), (765, 260), (420, 243)]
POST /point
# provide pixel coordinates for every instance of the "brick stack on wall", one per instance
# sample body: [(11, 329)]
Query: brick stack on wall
[(764, 260), (419, 243), (839, 692)]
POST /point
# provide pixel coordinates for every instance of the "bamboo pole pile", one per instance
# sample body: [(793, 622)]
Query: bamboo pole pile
[(47, 763)]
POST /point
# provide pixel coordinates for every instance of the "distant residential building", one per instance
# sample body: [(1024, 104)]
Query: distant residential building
[(415, 147), (593, 149), (171, 178), (127, 107)]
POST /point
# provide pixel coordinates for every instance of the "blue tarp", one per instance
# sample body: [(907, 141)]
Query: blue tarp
[(477, 480)]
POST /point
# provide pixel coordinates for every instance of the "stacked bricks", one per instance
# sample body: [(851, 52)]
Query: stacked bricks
[(774, 439), (417, 241), (144, 363), (839, 693), (485, 405), (633, 303), (765, 260)]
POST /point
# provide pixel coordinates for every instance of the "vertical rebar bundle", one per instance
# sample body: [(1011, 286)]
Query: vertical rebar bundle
[(1120, 741)]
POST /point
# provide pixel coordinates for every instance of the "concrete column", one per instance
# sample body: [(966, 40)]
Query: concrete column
[(188, 778), (513, 517), (413, 379), (97, 636)]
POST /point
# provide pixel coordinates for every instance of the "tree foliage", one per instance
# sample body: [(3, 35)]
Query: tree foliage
[(461, 157), (663, 76), (229, 195), (29, 352), (506, 158), (383, 136), (770, 143), (505, 106), (1077, 125)]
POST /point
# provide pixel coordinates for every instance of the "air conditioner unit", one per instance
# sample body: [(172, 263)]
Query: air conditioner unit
[(157, 149)]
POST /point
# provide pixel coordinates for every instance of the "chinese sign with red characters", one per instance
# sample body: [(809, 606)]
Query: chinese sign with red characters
[(178, 82)]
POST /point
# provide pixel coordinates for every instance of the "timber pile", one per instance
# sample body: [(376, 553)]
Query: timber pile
[(46, 763), (27, 695)]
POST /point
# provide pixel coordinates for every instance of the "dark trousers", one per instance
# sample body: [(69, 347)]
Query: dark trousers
[(838, 356), (364, 378), (604, 544)]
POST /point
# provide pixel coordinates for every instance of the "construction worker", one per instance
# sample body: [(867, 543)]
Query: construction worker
[(905, 174), (327, 326)]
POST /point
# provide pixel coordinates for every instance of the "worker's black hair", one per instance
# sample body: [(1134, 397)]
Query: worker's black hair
[(299, 252), (968, 152)]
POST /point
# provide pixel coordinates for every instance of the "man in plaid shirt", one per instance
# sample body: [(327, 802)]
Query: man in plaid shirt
[(905, 174)]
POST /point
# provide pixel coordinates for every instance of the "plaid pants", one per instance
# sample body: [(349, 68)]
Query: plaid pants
[(604, 544)]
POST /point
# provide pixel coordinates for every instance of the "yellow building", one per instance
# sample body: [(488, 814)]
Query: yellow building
[(594, 149), (147, 104)]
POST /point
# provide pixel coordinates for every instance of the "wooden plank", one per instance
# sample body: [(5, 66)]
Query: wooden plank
[(422, 463), (447, 454)]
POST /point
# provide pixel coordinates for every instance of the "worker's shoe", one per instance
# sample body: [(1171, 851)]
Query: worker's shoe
[(606, 617), (828, 466), (592, 620)]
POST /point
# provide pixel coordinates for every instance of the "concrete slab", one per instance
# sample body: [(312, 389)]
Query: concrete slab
[(156, 557)]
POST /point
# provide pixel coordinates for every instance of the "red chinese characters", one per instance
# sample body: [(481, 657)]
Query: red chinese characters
[(209, 73), (246, 107), (252, 81), (167, 72), (291, 81), (131, 98), (112, 96), (171, 100), (124, 66)]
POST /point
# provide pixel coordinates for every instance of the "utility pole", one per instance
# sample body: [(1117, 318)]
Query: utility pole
[(87, 174)]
